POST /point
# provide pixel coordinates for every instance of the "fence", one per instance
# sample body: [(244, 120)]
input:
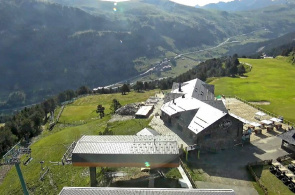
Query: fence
[(261, 109), (188, 174), (59, 114), (249, 166)]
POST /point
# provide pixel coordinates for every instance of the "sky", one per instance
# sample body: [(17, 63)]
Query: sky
[(198, 2)]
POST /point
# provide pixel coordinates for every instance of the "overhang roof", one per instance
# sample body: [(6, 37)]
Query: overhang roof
[(142, 191), (105, 144), (288, 136)]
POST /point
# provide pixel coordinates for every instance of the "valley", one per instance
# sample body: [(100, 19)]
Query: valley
[(99, 46)]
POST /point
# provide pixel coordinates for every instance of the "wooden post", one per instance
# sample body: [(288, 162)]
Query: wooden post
[(92, 171)]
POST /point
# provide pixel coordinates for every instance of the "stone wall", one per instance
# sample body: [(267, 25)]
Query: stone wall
[(223, 134)]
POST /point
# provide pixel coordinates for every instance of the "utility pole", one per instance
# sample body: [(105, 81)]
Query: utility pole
[(12, 157)]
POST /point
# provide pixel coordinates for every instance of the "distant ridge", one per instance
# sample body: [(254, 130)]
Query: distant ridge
[(244, 5)]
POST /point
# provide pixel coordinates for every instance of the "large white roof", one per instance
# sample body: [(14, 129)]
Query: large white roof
[(144, 110), (205, 113), (205, 116), (181, 104)]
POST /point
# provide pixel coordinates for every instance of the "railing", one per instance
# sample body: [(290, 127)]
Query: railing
[(188, 174), (249, 166)]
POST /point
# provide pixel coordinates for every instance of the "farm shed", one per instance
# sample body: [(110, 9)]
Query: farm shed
[(144, 112), (143, 191)]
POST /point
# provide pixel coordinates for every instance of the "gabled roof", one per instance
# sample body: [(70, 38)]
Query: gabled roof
[(204, 114), (142, 191), (288, 136), (195, 88)]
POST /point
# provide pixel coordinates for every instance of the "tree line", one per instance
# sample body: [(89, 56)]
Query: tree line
[(28, 122), (217, 67)]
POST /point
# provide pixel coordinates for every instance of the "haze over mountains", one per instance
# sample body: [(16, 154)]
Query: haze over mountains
[(46, 48), (243, 5)]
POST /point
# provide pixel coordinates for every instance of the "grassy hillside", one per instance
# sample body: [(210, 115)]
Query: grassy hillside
[(60, 47), (269, 80), (77, 119)]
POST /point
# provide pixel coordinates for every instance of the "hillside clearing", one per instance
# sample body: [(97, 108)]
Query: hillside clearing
[(270, 80), (77, 119)]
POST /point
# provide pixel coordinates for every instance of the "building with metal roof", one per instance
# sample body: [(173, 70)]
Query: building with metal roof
[(147, 131), (199, 116), (288, 141), (142, 191), (144, 111), (126, 151), (194, 88)]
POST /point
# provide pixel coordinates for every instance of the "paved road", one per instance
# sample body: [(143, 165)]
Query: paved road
[(227, 169)]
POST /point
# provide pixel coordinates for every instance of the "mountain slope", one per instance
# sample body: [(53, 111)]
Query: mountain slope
[(243, 5), (46, 48)]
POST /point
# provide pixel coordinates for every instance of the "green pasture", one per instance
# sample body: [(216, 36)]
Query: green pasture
[(270, 181), (77, 119), (269, 80), (84, 109)]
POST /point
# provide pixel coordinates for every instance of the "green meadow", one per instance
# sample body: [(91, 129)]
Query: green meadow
[(77, 119), (269, 80)]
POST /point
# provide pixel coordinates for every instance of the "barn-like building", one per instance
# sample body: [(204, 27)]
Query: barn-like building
[(192, 109)]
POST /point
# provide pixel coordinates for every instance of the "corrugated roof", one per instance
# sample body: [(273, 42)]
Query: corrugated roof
[(144, 110), (126, 145), (142, 191)]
